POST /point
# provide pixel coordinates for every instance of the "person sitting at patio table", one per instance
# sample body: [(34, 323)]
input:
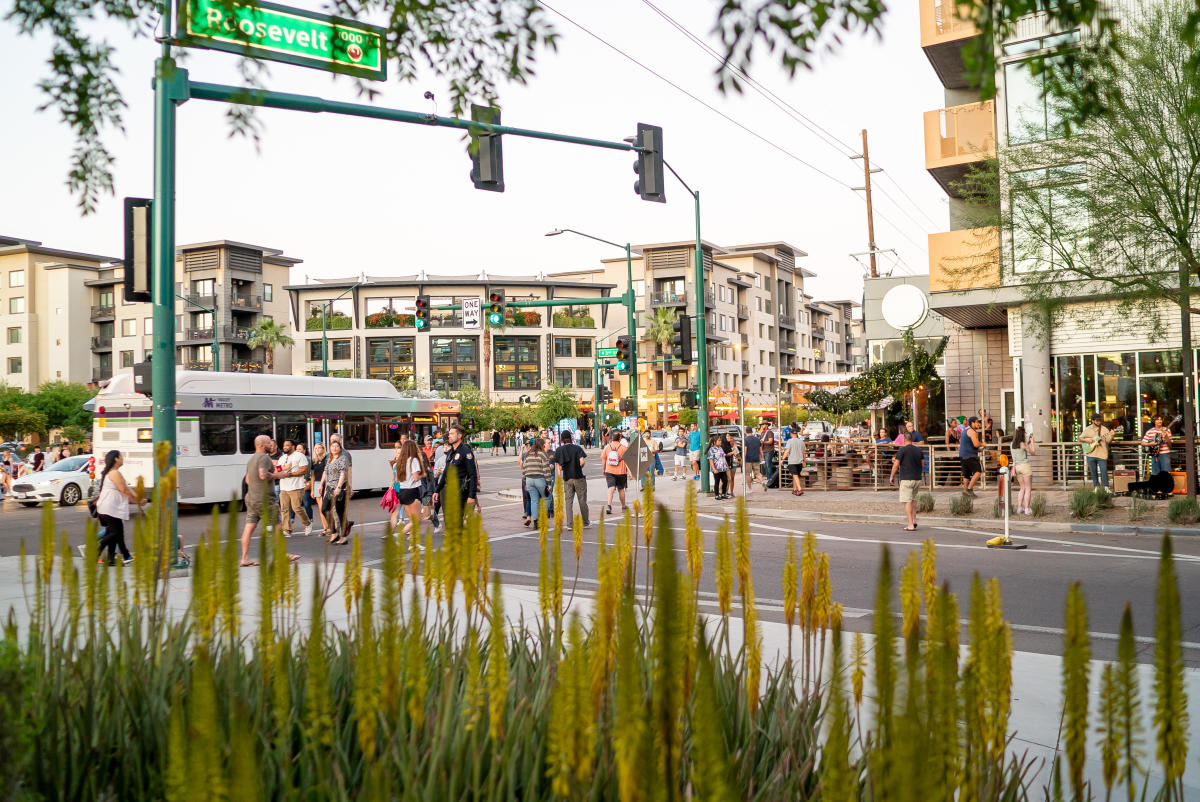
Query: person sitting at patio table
[(882, 439)]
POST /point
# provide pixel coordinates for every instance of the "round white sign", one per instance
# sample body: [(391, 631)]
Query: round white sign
[(905, 306)]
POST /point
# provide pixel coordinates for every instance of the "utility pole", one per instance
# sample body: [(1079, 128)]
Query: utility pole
[(866, 158)]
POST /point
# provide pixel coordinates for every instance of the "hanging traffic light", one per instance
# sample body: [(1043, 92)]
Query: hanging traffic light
[(605, 395), (681, 341), (625, 354), (487, 155), (649, 165), (422, 315), (496, 307), (689, 399)]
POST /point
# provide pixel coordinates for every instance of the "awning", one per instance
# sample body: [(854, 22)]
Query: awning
[(673, 416), (729, 416), (767, 413)]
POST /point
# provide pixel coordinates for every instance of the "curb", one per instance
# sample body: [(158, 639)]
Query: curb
[(990, 524)]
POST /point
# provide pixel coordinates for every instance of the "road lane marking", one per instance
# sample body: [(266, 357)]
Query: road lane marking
[(1033, 539)]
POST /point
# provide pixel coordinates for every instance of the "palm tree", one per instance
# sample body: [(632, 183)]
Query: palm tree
[(486, 379), (662, 331), (270, 335)]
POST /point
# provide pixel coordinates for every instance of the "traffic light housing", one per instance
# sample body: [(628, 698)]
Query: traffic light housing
[(496, 307), (649, 165), (139, 266), (605, 394), (681, 341), (689, 399), (422, 314), (625, 354), (487, 155), (626, 405)]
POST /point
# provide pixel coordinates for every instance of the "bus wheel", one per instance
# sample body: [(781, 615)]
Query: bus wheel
[(70, 496)]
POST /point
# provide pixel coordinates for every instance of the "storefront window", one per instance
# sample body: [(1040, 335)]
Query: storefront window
[(1160, 396), (1126, 397), (455, 362), (516, 363), (1069, 397), (1116, 390), (391, 356), (1160, 361)]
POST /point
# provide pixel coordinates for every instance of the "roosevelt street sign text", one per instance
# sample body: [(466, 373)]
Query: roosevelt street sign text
[(292, 35)]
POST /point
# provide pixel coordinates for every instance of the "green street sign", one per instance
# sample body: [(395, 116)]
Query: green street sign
[(279, 33), (606, 353)]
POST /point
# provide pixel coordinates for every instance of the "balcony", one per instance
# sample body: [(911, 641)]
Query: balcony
[(663, 299), (786, 322), (238, 334), (745, 367), (741, 280), (193, 335), (198, 365), (566, 320), (101, 375), (710, 297), (208, 301), (943, 36), (956, 138), (743, 312), (745, 339), (246, 367), (245, 303), (100, 313), (102, 343), (963, 260)]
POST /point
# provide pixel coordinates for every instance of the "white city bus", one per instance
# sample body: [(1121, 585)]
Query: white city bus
[(220, 414)]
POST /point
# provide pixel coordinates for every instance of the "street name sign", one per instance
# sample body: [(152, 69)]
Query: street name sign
[(472, 313), (281, 33), (606, 353)]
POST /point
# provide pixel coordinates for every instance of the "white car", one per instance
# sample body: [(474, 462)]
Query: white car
[(66, 482)]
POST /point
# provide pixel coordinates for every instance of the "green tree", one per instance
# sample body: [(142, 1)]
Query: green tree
[(16, 423), (268, 336), (662, 331), (555, 403), (473, 406), (62, 404), (12, 397), (475, 44)]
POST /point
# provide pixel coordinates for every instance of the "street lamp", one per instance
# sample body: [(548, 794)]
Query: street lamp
[(325, 326), (630, 323)]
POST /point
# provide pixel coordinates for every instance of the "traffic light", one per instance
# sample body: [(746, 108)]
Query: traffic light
[(605, 394), (422, 315), (689, 399), (626, 405), (496, 308), (487, 156), (649, 165), (681, 341), (625, 354), (139, 267)]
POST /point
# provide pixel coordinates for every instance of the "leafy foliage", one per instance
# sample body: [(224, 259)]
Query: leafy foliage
[(555, 403), (882, 379), (16, 423), (268, 336)]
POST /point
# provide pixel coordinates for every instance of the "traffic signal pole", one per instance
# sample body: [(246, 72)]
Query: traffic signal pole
[(162, 368)]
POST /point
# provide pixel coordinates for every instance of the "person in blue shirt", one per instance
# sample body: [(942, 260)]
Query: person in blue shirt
[(694, 449)]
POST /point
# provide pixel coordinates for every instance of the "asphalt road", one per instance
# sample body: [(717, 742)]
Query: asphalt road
[(1113, 569)]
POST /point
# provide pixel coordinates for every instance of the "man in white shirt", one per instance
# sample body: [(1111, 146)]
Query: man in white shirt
[(794, 453), (291, 488)]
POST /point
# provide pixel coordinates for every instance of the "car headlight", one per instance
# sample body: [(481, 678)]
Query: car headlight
[(56, 481)]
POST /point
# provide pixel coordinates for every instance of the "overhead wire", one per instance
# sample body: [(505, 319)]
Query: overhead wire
[(800, 117), (771, 143)]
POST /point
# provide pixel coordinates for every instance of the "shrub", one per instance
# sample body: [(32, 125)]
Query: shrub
[(924, 502), (1037, 505), (1137, 508), (1082, 503), (1104, 498), (962, 505), (1183, 511)]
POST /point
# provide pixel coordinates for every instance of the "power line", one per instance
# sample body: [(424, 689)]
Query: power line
[(728, 118), (800, 117)]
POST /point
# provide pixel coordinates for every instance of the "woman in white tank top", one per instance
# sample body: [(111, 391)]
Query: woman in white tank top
[(112, 507)]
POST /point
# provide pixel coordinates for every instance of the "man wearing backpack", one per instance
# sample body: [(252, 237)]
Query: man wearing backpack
[(616, 472)]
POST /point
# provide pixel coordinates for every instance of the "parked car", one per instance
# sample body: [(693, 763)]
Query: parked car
[(65, 482)]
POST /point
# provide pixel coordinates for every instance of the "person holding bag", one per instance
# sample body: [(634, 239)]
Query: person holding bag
[(406, 479), (112, 507), (537, 470), (333, 493)]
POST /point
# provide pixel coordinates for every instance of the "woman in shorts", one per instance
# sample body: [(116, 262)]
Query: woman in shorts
[(1022, 448), (406, 482)]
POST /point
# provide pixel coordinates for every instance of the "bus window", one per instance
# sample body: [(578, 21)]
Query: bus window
[(251, 425), (291, 426), (391, 427), (359, 432), (218, 434)]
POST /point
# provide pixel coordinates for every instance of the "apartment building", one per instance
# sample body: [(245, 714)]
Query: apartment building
[(836, 332), (223, 291), (44, 301), (366, 328), (1090, 359), (756, 326)]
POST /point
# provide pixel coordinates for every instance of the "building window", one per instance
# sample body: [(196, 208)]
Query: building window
[(391, 356), (454, 362), (562, 346), (583, 378), (14, 335), (15, 365), (314, 350), (268, 293), (16, 306), (339, 315), (583, 348), (516, 363), (562, 377), (148, 326), (340, 349), (445, 318), (204, 286), (129, 327), (639, 288), (127, 359), (16, 278), (1048, 227), (384, 313), (1031, 116)]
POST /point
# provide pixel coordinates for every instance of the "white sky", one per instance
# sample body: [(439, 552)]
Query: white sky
[(350, 195)]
